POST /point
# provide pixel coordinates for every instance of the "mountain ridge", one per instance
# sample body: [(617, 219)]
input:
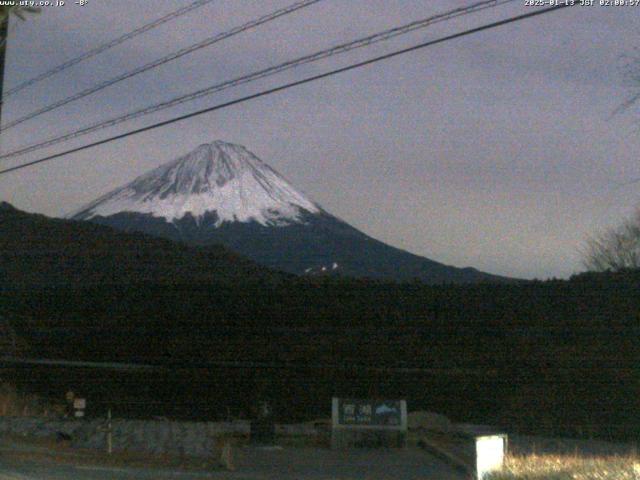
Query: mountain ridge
[(221, 193)]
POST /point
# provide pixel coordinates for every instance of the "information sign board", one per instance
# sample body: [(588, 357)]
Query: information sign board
[(368, 422), (372, 413)]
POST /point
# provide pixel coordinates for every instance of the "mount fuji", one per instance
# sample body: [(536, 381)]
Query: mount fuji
[(221, 193)]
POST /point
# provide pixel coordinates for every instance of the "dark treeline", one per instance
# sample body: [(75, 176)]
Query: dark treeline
[(555, 357)]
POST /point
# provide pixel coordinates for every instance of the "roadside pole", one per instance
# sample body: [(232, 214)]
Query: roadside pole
[(4, 40), (109, 434), (107, 427)]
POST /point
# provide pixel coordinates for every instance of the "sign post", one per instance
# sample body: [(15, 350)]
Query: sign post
[(263, 429), (368, 423), (79, 407)]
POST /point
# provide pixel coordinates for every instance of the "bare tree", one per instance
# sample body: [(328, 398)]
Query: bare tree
[(616, 248), (5, 12), (630, 70), (17, 11)]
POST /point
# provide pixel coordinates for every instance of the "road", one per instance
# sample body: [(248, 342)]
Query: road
[(254, 463), (31, 470)]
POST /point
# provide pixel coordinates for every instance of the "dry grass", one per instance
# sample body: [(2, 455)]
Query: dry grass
[(569, 467)]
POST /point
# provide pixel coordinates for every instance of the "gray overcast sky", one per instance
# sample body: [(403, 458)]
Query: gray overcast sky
[(498, 151)]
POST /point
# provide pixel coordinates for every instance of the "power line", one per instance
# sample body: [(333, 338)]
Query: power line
[(314, 57), (163, 60), (482, 371), (242, 364), (97, 50), (293, 84)]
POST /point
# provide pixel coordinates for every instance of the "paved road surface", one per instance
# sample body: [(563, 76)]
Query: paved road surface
[(261, 464)]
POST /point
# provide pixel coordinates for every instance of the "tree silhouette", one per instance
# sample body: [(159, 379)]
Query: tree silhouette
[(616, 248)]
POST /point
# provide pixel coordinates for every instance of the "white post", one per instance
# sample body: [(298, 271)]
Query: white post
[(490, 452)]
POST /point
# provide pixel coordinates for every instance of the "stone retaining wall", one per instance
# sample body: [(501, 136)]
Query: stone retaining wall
[(183, 438), (204, 439)]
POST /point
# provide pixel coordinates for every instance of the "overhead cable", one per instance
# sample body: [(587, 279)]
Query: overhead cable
[(314, 57), (102, 48), (292, 84), (161, 61)]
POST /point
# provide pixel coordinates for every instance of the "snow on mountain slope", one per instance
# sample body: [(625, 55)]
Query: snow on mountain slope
[(222, 194), (220, 177)]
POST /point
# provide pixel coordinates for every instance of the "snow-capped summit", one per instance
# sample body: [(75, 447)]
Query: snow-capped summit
[(221, 193), (220, 178)]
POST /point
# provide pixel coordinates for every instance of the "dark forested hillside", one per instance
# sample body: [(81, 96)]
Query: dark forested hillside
[(37, 250), (551, 357)]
